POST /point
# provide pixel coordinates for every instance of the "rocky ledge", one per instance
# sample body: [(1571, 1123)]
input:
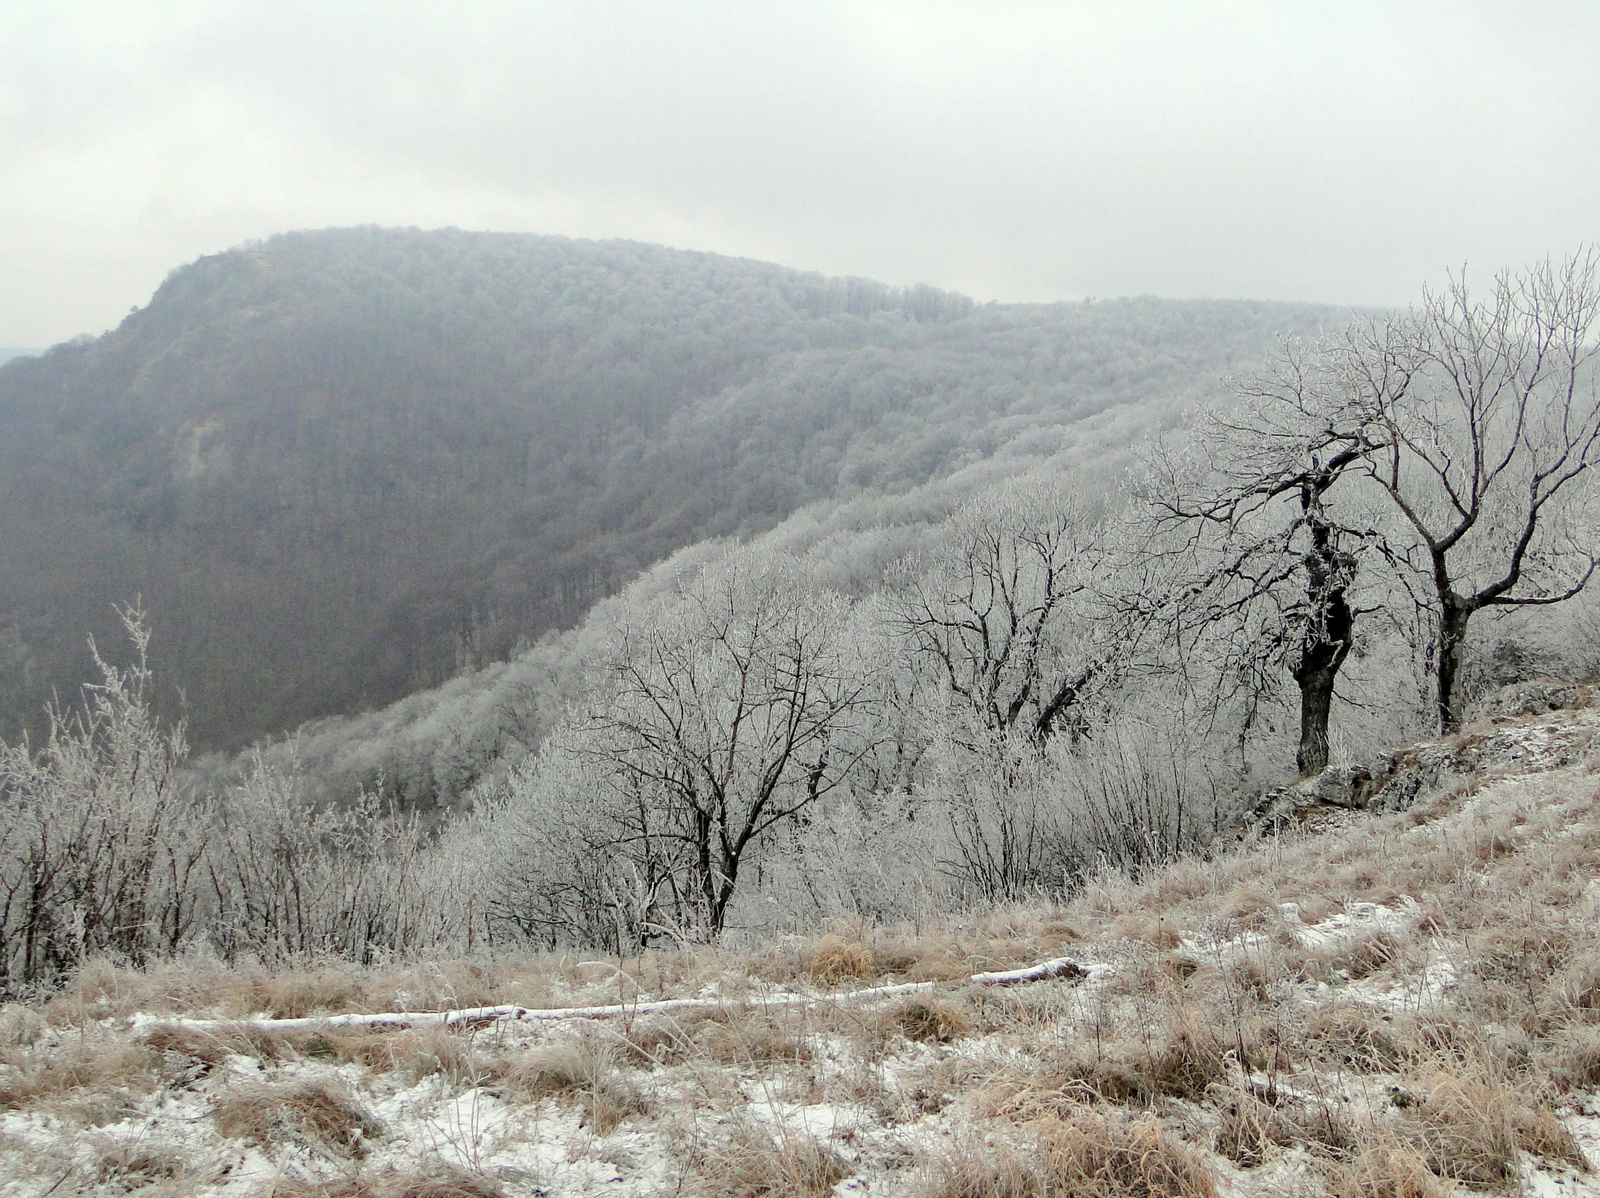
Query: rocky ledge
[(1523, 728)]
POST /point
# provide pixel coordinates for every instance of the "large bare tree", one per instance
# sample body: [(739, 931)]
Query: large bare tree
[(1266, 511), (1482, 441), (1469, 422)]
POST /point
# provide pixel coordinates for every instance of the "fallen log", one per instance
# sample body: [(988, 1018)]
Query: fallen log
[(1059, 968)]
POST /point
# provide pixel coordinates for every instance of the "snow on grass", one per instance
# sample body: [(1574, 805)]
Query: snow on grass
[(1305, 1014)]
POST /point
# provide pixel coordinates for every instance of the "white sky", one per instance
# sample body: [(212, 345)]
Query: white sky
[(1010, 149)]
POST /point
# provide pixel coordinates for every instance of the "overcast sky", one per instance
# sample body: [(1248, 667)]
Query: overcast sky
[(1013, 150)]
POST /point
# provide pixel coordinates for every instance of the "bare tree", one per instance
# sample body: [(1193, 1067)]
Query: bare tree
[(1481, 440), (732, 707), (1266, 511), (1012, 611), (1470, 423)]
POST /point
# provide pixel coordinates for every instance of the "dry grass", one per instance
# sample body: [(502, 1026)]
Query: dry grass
[(835, 959), (753, 1038), (1086, 1155), (1358, 1037), (1470, 1129), (1540, 1131), (189, 1054), (760, 1164), (320, 1113), (413, 1053), (983, 1169), (1218, 1022), (93, 1078), (948, 950), (943, 950), (211, 989), (1386, 1170), (583, 1070), (439, 1181), (20, 1026), (930, 1021), (1093, 1156), (1572, 1060), (1257, 1123), (660, 1041), (1183, 1059), (121, 1165)]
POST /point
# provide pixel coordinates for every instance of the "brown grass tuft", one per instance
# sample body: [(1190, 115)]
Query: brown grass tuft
[(1255, 1124), (930, 1021), (980, 1169), (121, 1165), (1359, 1037), (1190, 1061), (188, 1054), (1092, 1156), (321, 1113), (1386, 1170), (185, 1051), (1540, 1131), (1573, 995), (296, 995), (759, 1164), (1363, 955), (581, 1071), (1573, 1060), (751, 1037), (1082, 1155), (1464, 1129), (415, 1053), (439, 1181), (19, 1026), (1186, 1062), (98, 1076), (659, 1041), (837, 959)]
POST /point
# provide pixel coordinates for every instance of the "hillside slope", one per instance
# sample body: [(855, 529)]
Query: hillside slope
[(1360, 1005), (340, 466)]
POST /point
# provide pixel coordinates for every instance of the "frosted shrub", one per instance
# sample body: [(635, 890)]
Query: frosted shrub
[(99, 843), (359, 882), (106, 850), (1137, 794)]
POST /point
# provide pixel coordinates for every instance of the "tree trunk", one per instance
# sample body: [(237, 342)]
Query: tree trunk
[(1319, 666), (1452, 641), (1326, 642), (723, 896)]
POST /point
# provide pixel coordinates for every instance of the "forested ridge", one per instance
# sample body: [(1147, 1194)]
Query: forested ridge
[(341, 466)]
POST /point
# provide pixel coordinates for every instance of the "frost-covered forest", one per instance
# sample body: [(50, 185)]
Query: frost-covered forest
[(994, 685), (341, 467)]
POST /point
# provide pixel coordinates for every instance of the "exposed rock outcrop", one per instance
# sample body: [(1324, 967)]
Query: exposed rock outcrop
[(1525, 727)]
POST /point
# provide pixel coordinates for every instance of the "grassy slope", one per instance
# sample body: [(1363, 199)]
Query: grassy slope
[(1405, 1004)]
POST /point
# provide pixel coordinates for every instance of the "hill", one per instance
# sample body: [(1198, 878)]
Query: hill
[(341, 466)]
